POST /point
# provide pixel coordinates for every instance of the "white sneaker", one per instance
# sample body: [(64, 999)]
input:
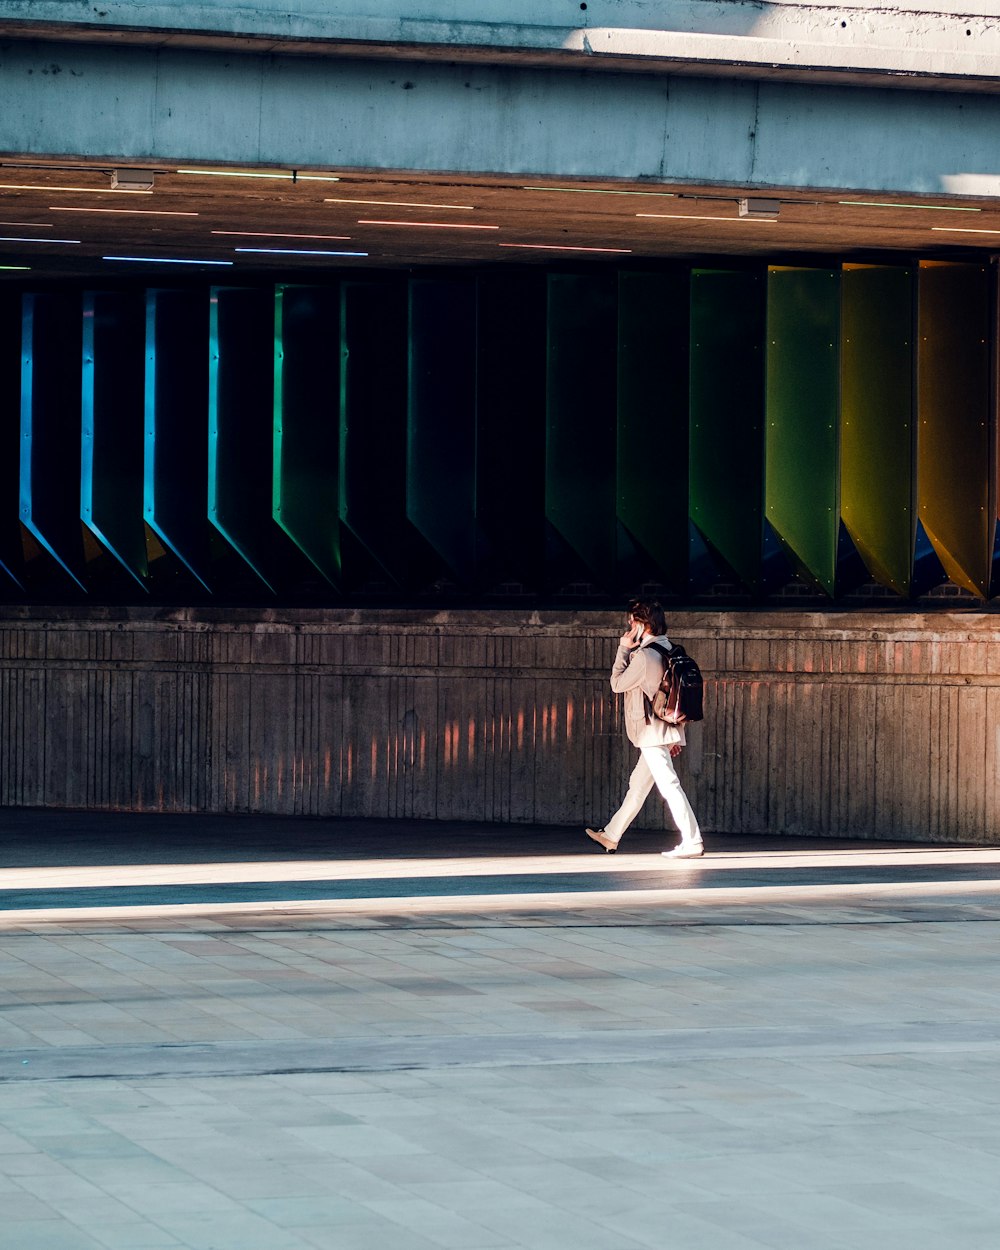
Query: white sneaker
[(690, 850), (600, 836)]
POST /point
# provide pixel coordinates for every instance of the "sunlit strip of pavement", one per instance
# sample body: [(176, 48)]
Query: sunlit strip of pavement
[(642, 901), (588, 861)]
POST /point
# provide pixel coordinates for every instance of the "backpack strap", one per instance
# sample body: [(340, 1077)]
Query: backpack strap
[(647, 703)]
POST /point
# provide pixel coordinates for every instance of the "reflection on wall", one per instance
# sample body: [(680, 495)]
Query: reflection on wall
[(483, 437)]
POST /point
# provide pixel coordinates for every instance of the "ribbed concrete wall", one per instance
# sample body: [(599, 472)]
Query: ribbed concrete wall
[(867, 725)]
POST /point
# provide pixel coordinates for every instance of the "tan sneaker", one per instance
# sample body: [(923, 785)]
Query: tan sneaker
[(600, 836)]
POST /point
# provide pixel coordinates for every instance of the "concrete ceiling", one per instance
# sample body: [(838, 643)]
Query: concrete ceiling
[(415, 220)]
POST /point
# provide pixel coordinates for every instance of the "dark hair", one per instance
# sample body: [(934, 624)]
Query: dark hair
[(648, 612)]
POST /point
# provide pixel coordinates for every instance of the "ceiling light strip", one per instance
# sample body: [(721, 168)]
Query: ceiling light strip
[(273, 234), (564, 247), (695, 217), (167, 260), (458, 208), (15, 239), (30, 225), (429, 225), (133, 212), (295, 251), (12, 267), (963, 230), (936, 208), (290, 176)]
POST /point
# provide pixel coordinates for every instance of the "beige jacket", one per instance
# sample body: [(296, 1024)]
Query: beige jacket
[(637, 672)]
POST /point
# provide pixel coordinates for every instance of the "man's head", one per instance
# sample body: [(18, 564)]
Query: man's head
[(649, 614)]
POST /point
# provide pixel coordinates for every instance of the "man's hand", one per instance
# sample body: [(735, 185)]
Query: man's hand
[(675, 750)]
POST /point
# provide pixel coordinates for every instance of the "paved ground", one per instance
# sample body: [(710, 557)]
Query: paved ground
[(247, 1034)]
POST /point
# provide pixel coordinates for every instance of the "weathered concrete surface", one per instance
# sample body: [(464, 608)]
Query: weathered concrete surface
[(840, 724), (919, 40), (137, 104)]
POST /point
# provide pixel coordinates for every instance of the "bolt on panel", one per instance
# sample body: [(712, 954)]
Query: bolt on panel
[(111, 448), (954, 417), (802, 417), (306, 484), (876, 436), (652, 472), (581, 418), (726, 461)]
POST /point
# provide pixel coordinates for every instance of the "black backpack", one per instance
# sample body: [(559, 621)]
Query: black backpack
[(679, 698)]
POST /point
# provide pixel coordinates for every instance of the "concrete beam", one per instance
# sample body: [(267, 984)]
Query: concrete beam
[(141, 105), (913, 42)]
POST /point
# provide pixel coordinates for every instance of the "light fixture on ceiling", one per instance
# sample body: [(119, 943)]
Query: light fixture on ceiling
[(754, 206), (564, 247), (131, 180), (458, 208), (167, 260), (131, 212), (936, 208), (295, 251), (427, 225)]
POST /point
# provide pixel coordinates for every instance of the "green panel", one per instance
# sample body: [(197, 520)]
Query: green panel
[(11, 555), (241, 424), (652, 485), (876, 437), (307, 422), (581, 403), (441, 433), (111, 471), (802, 401), (50, 429), (510, 444), (726, 411), (176, 438), (953, 419)]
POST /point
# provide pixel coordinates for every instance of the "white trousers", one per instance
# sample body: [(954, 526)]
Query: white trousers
[(655, 767)]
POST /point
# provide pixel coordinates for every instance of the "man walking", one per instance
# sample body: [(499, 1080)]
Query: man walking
[(637, 671)]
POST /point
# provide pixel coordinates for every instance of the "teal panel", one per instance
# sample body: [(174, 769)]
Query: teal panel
[(581, 435), (441, 432), (111, 451), (726, 460), (306, 488), (802, 418), (11, 554), (510, 445), (876, 439), (175, 496), (49, 488), (652, 483), (954, 419), (241, 425)]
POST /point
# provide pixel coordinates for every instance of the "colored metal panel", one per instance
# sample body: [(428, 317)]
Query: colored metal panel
[(581, 403), (50, 428), (11, 557), (175, 484), (441, 427), (954, 418), (802, 418), (307, 423), (652, 480), (241, 424), (111, 449), (876, 436), (373, 369), (726, 461), (510, 444)]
